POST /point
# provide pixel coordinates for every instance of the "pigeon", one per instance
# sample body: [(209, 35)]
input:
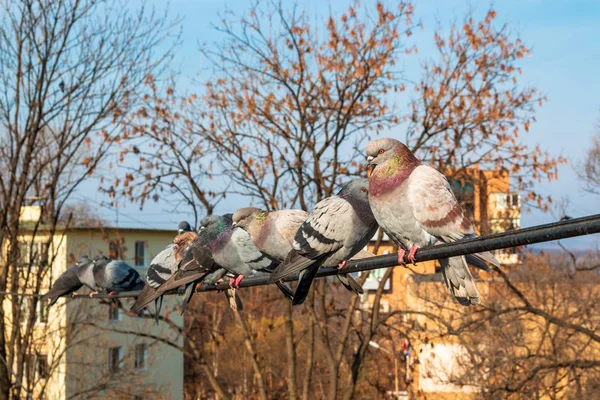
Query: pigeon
[(273, 234), (114, 276), (180, 276), (339, 227), (165, 264), (66, 284), (85, 273), (234, 250), (415, 206)]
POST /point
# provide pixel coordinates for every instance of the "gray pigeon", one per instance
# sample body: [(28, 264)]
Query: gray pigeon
[(114, 276), (415, 206), (233, 249), (66, 284), (273, 233), (338, 228), (85, 273)]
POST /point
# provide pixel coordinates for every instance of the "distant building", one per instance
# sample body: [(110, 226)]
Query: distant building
[(89, 348), (488, 202)]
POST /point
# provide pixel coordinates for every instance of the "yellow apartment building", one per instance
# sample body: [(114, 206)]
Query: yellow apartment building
[(88, 348), (488, 201)]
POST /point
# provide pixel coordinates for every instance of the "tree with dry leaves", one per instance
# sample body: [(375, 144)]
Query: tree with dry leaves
[(70, 70), (283, 121)]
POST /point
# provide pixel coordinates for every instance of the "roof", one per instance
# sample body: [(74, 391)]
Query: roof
[(44, 227)]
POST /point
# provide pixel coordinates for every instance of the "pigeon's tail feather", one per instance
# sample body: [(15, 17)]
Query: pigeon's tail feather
[(304, 283), (459, 280), (488, 258), (285, 289), (477, 262), (292, 264), (157, 307), (187, 296), (53, 295), (145, 297), (350, 283), (234, 300)]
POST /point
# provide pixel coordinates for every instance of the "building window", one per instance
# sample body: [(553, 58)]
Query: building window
[(42, 312), (114, 360), (42, 366), (140, 356), (114, 313), (140, 253), (511, 200), (31, 253)]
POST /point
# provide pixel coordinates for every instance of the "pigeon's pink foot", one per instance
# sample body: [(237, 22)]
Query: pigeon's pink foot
[(92, 294), (74, 294), (411, 254), (401, 254), (111, 293), (231, 282), (342, 264), (239, 280), (198, 285), (220, 280)]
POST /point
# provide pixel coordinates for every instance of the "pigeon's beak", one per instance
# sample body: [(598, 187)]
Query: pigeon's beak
[(234, 224), (369, 167), (180, 231)]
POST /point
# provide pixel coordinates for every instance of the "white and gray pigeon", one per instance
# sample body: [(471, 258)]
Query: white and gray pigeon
[(165, 264), (339, 227), (114, 276), (66, 284), (415, 206), (273, 233), (171, 258)]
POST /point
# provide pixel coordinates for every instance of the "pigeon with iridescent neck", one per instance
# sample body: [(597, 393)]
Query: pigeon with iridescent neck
[(339, 227), (415, 206)]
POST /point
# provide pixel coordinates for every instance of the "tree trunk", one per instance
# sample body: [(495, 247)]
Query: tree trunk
[(309, 360), (253, 355), (291, 352)]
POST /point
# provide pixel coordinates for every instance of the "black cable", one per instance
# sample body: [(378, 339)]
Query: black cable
[(536, 234)]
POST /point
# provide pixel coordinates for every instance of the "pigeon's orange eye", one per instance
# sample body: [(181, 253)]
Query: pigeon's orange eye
[(364, 190), (244, 217), (381, 151)]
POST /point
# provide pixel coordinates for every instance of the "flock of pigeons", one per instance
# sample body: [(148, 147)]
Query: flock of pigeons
[(413, 203)]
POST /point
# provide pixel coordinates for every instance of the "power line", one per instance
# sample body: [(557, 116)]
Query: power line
[(537, 234)]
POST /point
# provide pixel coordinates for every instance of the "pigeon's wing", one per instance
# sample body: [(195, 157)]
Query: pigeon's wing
[(197, 258), (325, 230), (66, 284), (247, 251), (120, 277), (200, 258), (436, 209), (293, 263), (287, 222), (162, 267)]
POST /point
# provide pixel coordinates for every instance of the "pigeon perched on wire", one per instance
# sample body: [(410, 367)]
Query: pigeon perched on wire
[(165, 264), (85, 273), (114, 276), (273, 233), (180, 277), (66, 284), (233, 249), (415, 206), (339, 227)]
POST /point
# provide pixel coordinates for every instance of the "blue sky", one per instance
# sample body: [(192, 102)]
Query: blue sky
[(564, 66)]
